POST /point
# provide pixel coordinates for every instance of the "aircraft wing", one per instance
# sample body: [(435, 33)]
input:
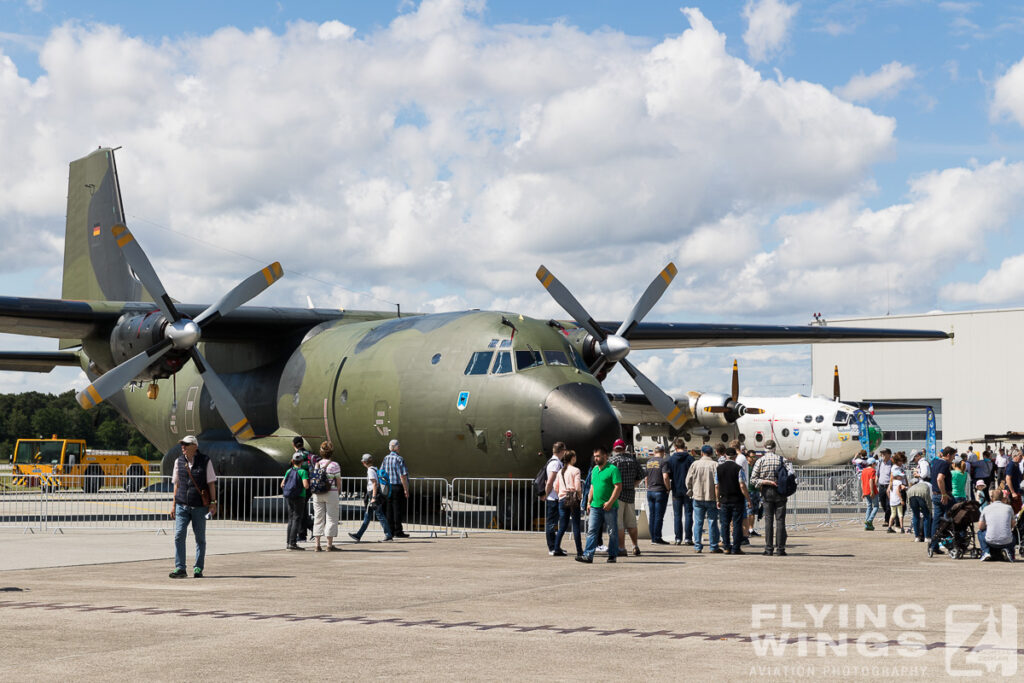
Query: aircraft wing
[(37, 361), (884, 405), (646, 336), (634, 409), (66, 319)]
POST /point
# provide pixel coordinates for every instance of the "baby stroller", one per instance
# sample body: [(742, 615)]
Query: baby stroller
[(955, 531), (1018, 533)]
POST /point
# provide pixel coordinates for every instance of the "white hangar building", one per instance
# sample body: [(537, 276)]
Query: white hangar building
[(974, 382)]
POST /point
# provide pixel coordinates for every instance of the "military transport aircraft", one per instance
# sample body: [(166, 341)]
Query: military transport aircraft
[(470, 393)]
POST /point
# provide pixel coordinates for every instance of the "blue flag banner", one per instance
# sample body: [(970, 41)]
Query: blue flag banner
[(862, 428), (929, 443)]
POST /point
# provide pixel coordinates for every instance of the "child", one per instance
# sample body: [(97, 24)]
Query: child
[(869, 487), (981, 493), (896, 504)]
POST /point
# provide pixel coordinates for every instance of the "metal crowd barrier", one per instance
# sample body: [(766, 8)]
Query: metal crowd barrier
[(825, 497)]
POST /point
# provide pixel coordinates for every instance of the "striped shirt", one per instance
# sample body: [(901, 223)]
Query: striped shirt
[(394, 465), (765, 468)]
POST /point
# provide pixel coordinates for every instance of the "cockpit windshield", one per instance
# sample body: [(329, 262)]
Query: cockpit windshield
[(842, 418), (528, 358)]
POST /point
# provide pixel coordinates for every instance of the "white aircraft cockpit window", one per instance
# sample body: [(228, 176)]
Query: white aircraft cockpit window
[(528, 359), (556, 358), (842, 418), (480, 363), (503, 363)]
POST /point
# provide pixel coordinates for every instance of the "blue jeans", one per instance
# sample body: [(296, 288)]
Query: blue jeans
[(986, 548), (872, 502), (705, 509), (608, 521), (657, 503), (938, 512), (183, 515), (920, 517), (566, 513), (731, 515), (550, 522), (682, 504), (372, 511)]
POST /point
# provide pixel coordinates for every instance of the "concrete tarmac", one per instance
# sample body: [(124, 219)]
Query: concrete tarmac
[(850, 604)]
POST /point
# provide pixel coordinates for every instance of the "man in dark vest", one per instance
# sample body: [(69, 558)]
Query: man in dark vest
[(195, 495)]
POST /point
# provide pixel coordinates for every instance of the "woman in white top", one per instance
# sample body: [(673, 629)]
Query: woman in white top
[(325, 505)]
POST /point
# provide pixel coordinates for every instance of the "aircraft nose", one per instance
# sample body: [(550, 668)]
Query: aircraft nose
[(580, 415)]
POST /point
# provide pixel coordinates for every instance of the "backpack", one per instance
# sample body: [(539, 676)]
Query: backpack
[(319, 482), (384, 482), (785, 480), (292, 484), (540, 482)]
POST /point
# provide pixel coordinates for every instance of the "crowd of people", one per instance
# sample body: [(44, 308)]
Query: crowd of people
[(722, 487), (900, 484)]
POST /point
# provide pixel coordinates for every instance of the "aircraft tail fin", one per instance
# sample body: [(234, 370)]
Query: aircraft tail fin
[(95, 269)]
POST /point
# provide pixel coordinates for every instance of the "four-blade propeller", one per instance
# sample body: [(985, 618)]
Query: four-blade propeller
[(181, 334), (613, 348), (733, 405)]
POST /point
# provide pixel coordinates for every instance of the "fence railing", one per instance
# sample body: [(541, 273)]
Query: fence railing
[(825, 497)]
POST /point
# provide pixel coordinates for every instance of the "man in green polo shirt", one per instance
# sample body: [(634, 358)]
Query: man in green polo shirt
[(602, 501)]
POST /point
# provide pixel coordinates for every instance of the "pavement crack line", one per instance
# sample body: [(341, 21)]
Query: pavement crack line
[(434, 623)]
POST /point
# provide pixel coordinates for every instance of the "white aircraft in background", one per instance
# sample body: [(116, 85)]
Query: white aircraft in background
[(809, 431)]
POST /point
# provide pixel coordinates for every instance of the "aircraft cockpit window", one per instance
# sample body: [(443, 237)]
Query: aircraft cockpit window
[(503, 363), (556, 358), (841, 419), (871, 420), (506, 343), (576, 360), (480, 363), (528, 359), (820, 418), (493, 344)]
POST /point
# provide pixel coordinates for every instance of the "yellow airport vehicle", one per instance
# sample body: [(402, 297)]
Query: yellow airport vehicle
[(57, 463)]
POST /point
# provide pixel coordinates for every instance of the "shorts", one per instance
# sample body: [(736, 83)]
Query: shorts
[(627, 515)]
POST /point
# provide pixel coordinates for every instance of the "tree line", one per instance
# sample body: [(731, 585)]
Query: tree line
[(35, 415)]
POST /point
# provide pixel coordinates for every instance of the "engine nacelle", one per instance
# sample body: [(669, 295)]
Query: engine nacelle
[(698, 402), (133, 334)]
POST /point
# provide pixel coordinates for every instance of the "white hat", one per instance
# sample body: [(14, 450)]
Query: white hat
[(367, 457), (189, 440)]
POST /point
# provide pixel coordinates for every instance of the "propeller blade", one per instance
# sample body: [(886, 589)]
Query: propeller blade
[(735, 381), (139, 262), (717, 409), (835, 383), (569, 303), (245, 290), (226, 404), (661, 401), (753, 411), (650, 297), (109, 383)]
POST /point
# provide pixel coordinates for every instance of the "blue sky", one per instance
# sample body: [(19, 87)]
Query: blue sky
[(848, 157)]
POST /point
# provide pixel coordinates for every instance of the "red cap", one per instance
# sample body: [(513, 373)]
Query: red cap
[(618, 444)]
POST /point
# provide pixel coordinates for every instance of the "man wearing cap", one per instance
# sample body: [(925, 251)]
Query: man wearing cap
[(631, 473), (764, 477), (883, 470), (398, 475), (374, 502), (919, 496), (701, 485), (657, 494), (193, 479), (296, 504)]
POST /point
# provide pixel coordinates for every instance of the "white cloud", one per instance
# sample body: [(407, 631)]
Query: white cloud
[(885, 83), (1008, 95), (1001, 285), (768, 26)]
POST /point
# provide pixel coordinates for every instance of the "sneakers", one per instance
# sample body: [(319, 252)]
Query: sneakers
[(678, 542), (780, 552), (661, 541), (353, 537), (601, 549), (754, 533), (745, 541), (738, 552), (890, 530), (584, 559), (611, 560), (197, 573), (295, 547), (178, 574), (986, 557), (687, 542), (868, 526), (558, 552), (717, 551), (388, 538), (636, 551), (403, 535), (728, 551), (769, 553)]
